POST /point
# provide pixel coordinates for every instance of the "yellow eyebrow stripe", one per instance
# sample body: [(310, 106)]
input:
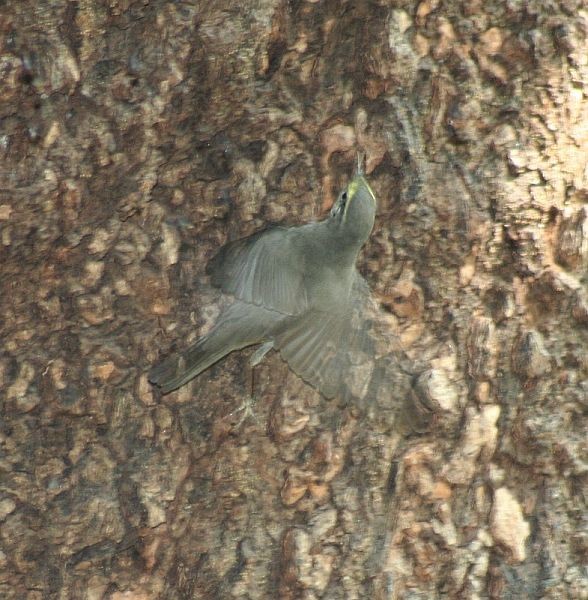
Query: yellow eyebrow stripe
[(352, 188)]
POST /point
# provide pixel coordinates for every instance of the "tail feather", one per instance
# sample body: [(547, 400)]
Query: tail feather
[(239, 326), (178, 369)]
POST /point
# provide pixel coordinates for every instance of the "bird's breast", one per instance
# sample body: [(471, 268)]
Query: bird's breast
[(329, 286), (329, 265)]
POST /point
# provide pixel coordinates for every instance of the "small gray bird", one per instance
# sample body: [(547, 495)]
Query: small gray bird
[(296, 290)]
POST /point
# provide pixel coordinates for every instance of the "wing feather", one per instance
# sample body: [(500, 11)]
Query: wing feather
[(265, 269), (325, 347)]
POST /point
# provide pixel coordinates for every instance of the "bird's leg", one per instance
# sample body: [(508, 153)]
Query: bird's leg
[(246, 406), (252, 398)]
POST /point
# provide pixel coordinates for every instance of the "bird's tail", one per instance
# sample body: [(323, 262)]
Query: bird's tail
[(239, 327), (179, 368)]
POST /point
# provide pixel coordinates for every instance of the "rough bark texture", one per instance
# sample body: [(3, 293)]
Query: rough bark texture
[(138, 136)]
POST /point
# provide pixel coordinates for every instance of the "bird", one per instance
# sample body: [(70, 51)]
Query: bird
[(296, 290)]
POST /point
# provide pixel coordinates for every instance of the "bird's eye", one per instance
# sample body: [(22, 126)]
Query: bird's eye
[(339, 206)]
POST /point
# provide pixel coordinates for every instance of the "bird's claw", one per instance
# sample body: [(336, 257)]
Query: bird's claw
[(246, 408)]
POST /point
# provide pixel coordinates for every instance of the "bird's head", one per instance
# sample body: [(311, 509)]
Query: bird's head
[(354, 210)]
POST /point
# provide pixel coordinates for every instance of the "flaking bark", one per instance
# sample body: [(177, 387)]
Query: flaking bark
[(135, 139)]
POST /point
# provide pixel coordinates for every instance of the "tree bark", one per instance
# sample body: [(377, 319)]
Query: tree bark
[(136, 138)]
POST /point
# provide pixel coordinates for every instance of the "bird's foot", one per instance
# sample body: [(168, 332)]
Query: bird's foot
[(246, 408)]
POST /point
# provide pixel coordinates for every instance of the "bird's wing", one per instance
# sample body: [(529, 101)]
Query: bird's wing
[(265, 269), (330, 350)]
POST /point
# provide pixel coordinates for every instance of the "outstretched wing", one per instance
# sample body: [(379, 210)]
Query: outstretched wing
[(331, 350), (265, 269)]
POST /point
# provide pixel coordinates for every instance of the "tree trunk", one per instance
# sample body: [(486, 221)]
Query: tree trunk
[(136, 138)]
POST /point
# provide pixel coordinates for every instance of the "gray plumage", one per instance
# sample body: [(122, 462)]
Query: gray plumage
[(297, 290)]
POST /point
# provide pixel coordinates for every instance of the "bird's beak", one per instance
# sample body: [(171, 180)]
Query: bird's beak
[(359, 178), (359, 167)]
